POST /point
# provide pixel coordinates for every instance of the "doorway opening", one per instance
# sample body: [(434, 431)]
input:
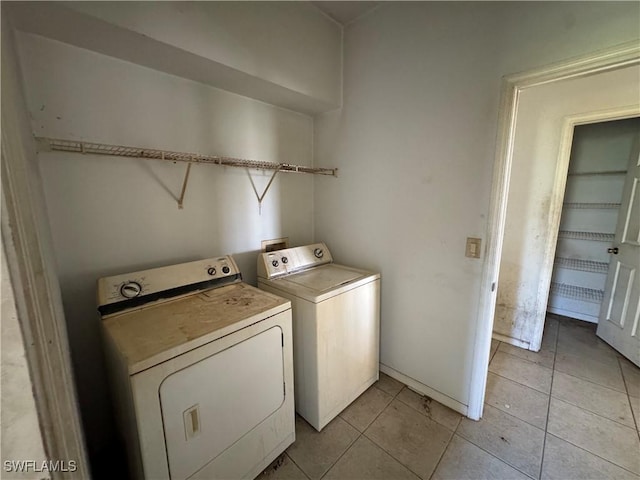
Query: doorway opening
[(538, 113), (598, 168)]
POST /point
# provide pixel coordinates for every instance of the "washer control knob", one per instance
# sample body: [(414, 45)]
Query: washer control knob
[(318, 252), (211, 271), (285, 260), (275, 263), (131, 289), (225, 269)]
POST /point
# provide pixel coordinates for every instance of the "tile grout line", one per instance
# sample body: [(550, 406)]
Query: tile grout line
[(521, 357), (478, 446), (596, 357), (596, 384), (455, 432), (299, 467), (343, 453), (392, 456), (515, 416), (494, 352), (626, 387), (553, 373), (584, 409), (380, 446), (596, 413), (360, 434), (609, 348), (389, 453), (526, 360), (594, 454), (522, 384), (435, 468), (427, 416), (592, 382), (493, 455), (546, 424)]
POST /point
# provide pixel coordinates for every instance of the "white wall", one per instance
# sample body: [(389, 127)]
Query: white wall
[(415, 144), (115, 215)]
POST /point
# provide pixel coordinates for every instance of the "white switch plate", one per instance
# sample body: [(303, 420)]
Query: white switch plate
[(473, 247)]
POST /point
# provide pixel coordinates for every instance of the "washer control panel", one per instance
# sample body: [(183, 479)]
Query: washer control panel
[(127, 286), (290, 260)]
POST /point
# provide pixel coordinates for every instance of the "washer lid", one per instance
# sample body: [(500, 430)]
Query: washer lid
[(327, 277), (320, 283)]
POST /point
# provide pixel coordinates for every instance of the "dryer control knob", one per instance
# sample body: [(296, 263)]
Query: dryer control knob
[(285, 260), (211, 271), (318, 252), (130, 289), (275, 263), (225, 269)]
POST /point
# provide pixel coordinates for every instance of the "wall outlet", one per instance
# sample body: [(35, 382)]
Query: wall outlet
[(473, 247)]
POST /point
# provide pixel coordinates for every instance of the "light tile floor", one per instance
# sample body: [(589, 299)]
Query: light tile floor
[(569, 411)]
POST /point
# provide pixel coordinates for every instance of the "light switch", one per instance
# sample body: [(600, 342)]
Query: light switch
[(473, 247)]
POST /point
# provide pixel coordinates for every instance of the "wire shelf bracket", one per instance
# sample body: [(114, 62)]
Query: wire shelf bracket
[(259, 196), (93, 148)]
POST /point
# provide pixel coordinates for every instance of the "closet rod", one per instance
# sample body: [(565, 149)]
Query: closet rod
[(59, 145)]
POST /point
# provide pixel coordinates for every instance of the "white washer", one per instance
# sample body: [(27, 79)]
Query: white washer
[(201, 370), (336, 327)]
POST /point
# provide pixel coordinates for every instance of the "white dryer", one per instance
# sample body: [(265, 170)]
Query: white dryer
[(201, 370), (336, 327)]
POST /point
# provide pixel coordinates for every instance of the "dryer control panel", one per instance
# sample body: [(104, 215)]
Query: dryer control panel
[(128, 286), (290, 260)]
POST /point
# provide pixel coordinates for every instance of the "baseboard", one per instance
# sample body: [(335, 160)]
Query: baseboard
[(570, 314), (510, 340), (425, 390)]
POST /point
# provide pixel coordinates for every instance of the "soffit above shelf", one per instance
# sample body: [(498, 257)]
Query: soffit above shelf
[(57, 22)]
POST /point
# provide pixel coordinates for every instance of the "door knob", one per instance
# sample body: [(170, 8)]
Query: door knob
[(613, 250)]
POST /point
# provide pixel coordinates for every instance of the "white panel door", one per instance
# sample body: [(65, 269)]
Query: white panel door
[(210, 405), (620, 312)]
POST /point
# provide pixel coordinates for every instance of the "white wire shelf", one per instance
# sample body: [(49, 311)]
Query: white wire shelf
[(93, 148), (590, 236), (592, 206), (581, 265), (591, 174), (577, 293)]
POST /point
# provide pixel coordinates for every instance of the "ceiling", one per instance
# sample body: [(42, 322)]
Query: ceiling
[(345, 12)]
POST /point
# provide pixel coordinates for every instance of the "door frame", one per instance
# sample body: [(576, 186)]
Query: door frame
[(620, 56), (31, 266)]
